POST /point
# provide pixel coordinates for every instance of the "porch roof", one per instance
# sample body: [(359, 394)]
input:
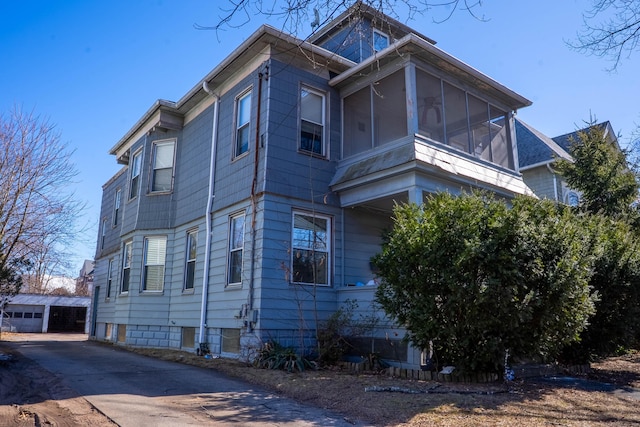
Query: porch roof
[(417, 164)]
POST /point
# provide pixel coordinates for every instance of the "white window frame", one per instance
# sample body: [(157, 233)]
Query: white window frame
[(190, 260), (298, 248), (244, 125), (109, 278), (381, 35), (156, 167), (136, 173), (154, 260), (116, 206), (322, 124), (103, 235), (235, 249), (127, 254)]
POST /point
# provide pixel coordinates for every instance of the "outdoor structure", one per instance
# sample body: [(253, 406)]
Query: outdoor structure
[(45, 313), (248, 210), (537, 154), (84, 281)]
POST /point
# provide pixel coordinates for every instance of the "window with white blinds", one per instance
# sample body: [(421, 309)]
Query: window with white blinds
[(155, 249)]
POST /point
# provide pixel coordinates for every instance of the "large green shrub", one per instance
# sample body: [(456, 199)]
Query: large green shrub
[(478, 279), (616, 323)]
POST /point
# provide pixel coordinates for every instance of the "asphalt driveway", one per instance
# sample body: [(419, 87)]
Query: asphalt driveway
[(135, 390)]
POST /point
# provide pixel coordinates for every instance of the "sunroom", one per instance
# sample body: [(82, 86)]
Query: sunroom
[(417, 120)]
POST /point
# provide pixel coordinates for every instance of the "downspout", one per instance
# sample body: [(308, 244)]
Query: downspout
[(555, 182), (210, 196), (254, 191)]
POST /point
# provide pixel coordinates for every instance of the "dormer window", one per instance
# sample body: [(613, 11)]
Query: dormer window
[(380, 40)]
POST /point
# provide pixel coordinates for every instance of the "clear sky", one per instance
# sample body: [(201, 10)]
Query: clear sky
[(95, 67)]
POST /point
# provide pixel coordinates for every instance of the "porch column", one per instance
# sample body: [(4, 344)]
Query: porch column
[(416, 195)]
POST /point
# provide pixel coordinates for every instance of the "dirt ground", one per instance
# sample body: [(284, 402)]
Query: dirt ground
[(30, 396)]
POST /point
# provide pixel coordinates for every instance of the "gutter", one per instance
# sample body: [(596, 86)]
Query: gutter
[(210, 197)]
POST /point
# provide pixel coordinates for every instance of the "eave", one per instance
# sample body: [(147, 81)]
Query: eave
[(163, 112)]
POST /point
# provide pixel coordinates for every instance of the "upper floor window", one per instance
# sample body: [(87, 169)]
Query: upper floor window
[(162, 165), (243, 123), (311, 249), (312, 121), (103, 236), (190, 260), (116, 206), (127, 252), (155, 249), (236, 246), (109, 278), (136, 167), (380, 40)]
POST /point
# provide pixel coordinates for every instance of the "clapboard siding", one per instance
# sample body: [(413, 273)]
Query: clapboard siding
[(112, 235), (234, 176), (282, 304), (363, 239), (185, 304), (193, 156), (290, 172)]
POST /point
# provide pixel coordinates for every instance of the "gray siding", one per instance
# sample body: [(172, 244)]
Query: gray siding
[(112, 236), (540, 181), (363, 239), (193, 156), (185, 304), (234, 175), (290, 172), (284, 305)]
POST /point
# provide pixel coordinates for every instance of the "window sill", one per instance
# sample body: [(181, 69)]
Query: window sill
[(240, 156), (321, 285), (189, 291), (313, 154), (233, 286)]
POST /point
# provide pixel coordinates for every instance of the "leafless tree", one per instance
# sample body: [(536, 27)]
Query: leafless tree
[(38, 211), (611, 30), (296, 14)]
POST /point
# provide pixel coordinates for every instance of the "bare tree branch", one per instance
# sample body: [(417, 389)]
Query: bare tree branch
[(299, 14), (38, 213), (611, 30)]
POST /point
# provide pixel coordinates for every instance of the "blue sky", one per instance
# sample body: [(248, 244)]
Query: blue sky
[(94, 68)]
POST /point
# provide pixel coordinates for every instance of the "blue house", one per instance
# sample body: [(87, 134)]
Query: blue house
[(248, 210)]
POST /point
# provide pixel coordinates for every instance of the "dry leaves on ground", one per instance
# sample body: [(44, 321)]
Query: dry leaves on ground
[(521, 403)]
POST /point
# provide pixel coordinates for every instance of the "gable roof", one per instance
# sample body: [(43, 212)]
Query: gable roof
[(535, 148), (565, 140)]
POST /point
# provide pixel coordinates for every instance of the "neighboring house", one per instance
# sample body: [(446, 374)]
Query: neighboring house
[(537, 153), (84, 281), (249, 209)]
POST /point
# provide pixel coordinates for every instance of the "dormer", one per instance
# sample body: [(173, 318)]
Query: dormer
[(361, 32)]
